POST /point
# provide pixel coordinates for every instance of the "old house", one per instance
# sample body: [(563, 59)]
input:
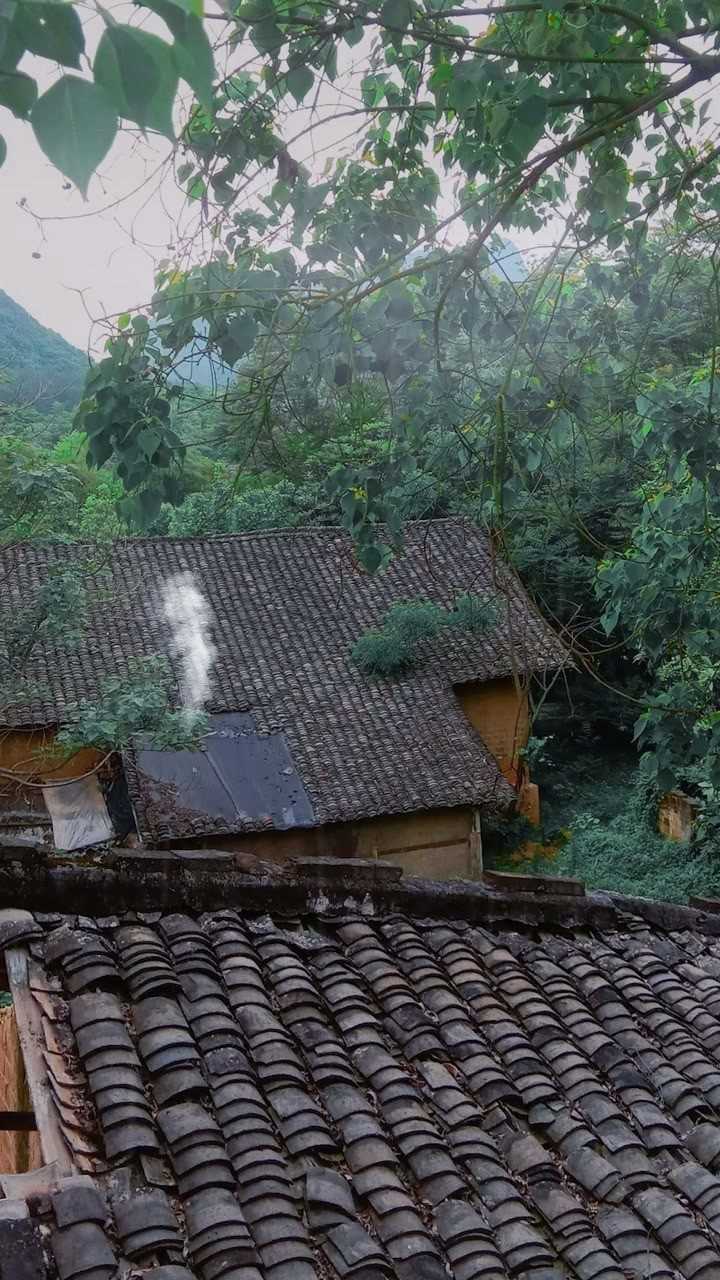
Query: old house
[(341, 1074), (306, 754)]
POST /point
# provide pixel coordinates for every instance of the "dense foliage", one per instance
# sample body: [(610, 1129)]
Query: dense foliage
[(599, 825), (593, 113)]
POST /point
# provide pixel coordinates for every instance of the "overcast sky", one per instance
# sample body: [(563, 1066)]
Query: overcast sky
[(82, 246)]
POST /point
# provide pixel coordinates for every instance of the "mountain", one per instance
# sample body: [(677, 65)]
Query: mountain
[(37, 366)]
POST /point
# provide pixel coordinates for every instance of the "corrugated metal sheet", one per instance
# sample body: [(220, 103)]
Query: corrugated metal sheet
[(242, 779)]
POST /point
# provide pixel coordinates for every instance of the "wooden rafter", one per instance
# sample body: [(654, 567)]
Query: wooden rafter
[(29, 1024)]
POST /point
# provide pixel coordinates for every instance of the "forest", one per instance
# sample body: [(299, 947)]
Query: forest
[(381, 351), (603, 517)]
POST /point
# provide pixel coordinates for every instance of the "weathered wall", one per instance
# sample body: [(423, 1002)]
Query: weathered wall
[(500, 713), (434, 843), (28, 753), (677, 815), (18, 1151)]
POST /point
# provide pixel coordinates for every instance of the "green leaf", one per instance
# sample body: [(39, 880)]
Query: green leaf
[(373, 89), (192, 52), (148, 441), (370, 557), (533, 458), (396, 14), (267, 36), (51, 31), (300, 81), (3, 151), (149, 502), (240, 337), (197, 188), (75, 125), (354, 34), (255, 11), (18, 92), (194, 60), (330, 61), (194, 8), (610, 619), (499, 119), (464, 89), (139, 74)]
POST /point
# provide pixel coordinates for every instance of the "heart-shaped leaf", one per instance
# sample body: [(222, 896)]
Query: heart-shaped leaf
[(300, 81), (75, 125), (138, 72)]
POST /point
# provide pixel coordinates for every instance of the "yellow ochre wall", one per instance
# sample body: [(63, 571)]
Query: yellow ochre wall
[(500, 713), (27, 752), (435, 842)]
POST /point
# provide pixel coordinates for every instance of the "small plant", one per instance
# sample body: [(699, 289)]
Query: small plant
[(408, 624), (535, 752), (382, 653), (135, 707), (394, 647), (474, 613)]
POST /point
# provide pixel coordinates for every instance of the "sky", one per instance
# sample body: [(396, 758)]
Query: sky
[(92, 257), (71, 263)]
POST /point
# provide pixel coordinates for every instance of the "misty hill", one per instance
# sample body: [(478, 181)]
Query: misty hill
[(36, 365)]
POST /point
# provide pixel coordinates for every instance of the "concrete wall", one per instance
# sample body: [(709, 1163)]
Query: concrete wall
[(500, 713)]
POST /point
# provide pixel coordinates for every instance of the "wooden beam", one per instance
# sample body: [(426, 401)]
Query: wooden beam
[(17, 1121), (29, 1024)]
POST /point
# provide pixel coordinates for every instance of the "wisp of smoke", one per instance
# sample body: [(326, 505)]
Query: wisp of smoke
[(189, 617)]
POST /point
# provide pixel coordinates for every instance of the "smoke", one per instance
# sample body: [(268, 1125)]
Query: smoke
[(189, 617)]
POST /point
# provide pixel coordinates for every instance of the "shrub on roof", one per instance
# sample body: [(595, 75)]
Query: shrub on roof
[(409, 624)]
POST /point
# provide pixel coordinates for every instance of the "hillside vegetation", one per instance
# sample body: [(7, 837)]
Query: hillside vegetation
[(37, 367)]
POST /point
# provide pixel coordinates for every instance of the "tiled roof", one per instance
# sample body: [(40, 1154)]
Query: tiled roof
[(262, 1097), (288, 607)]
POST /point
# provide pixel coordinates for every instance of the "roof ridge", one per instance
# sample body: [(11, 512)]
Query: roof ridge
[(38, 878), (277, 531)]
